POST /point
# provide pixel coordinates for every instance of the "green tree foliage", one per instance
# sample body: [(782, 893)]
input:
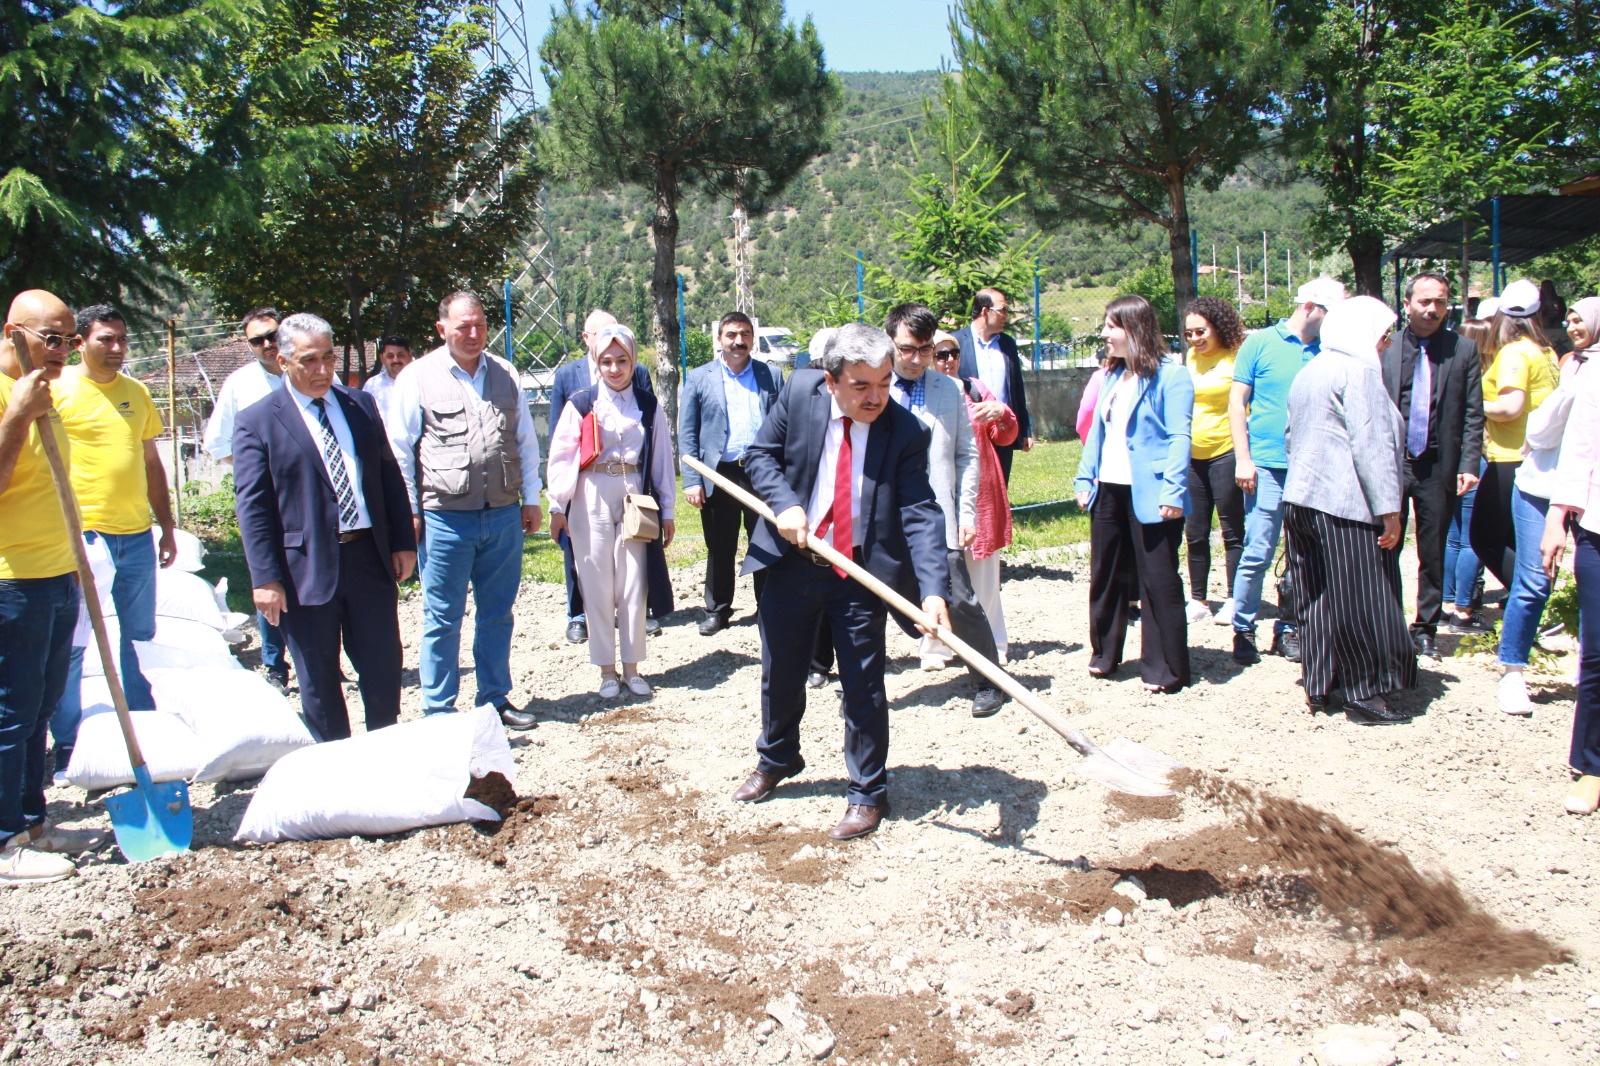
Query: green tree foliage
[(428, 190), (1113, 111), (720, 96)]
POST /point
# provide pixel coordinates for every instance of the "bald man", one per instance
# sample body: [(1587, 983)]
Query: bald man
[(38, 589)]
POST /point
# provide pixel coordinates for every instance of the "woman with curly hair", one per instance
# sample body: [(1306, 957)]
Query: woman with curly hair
[(1213, 331)]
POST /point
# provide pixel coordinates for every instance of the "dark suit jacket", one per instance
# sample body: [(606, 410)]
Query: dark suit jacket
[(902, 541), (573, 376), (1016, 390), (1456, 408), (703, 415), (288, 514)]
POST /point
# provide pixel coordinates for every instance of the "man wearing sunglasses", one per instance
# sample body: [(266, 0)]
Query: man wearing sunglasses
[(250, 384), (989, 354)]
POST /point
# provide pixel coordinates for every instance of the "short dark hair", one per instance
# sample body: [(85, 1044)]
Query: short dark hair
[(983, 299), (1145, 348), (393, 340), (1222, 317), (920, 322), (456, 297), (257, 313), (734, 316), (1426, 275), (88, 316)]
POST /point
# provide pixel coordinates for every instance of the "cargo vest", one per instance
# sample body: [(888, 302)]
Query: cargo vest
[(467, 456)]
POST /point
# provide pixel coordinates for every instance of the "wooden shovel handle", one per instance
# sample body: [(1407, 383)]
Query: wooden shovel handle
[(69, 511), (1002, 680)]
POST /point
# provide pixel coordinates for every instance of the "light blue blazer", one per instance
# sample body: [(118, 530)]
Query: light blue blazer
[(1158, 442)]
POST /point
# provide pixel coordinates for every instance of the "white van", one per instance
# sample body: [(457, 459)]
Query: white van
[(775, 345)]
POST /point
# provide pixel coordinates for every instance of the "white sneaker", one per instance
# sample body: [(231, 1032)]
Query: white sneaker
[(1224, 615), (1514, 695), (638, 686), (1196, 612), (22, 865), (610, 688), (58, 841)]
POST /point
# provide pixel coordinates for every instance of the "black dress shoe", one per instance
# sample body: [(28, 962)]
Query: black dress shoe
[(988, 701), (513, 717), (1317, 704), (1244, 648), (712, 624), (577, 631), (1467, 624), (816, 679), (652, 627), (1424, 645), (279, 679), (1373, 711), (1286, 642)]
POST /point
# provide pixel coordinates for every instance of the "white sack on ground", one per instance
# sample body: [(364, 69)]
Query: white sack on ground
[(191, 553), (100, 758), (179, 644), (104, 571), (180, 594), (404, 777), (96, 695), (242, 725)]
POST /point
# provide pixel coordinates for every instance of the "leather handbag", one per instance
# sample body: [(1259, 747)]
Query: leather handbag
[(641, 517)]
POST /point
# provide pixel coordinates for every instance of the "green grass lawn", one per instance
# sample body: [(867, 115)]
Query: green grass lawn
[(1042, 476)]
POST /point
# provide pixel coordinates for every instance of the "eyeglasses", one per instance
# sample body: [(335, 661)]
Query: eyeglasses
[(53, 341), (269, 337), (909, 350), (1000, 310)]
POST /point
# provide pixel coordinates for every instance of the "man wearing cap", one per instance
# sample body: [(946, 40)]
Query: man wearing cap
[(1258, 408), (1433, 376), (724, 403), (394, 355)]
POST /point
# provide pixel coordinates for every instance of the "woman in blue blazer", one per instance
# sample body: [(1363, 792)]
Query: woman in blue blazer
[(1133, 480)]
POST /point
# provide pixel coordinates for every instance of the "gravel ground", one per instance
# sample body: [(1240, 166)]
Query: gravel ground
[(626, 911)]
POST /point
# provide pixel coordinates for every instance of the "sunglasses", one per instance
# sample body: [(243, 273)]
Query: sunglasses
[(947, 353), (1191, 334), (53, 341), (269, 337)]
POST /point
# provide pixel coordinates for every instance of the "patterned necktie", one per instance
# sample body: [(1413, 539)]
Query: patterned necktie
[(916, 392), (1421, 398), (838, 518), (334, 457)]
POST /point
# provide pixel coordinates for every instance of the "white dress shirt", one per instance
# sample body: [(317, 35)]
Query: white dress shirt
[(245, 386), (992, 369), (1116, 465), (822, 492), (347, 450), (403, 422), (380, 387)]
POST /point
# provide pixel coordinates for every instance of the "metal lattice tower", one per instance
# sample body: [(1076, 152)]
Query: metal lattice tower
[(536, 320), (743, 299)]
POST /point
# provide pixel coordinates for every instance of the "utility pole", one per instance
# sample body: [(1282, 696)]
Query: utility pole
[(1238, 272), (743, 299), (1266, 284)]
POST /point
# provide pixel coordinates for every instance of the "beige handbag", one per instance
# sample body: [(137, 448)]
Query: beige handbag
[(641, 517)]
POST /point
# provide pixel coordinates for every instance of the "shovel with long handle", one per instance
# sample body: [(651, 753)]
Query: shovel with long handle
[(1121, 765), (153, 819)]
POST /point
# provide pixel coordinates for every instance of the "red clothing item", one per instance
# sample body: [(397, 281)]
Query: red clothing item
[(994, 506)]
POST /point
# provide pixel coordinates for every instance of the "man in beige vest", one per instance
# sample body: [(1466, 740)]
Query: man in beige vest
[(465, 441)]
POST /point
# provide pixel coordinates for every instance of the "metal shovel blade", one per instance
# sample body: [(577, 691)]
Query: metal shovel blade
[(1154, 767), (1103, 769), (151, 820)]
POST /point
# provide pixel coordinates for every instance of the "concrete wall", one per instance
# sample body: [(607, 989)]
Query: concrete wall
[(1053, 397)]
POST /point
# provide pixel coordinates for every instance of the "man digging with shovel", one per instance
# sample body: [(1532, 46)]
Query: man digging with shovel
[(38, 592)]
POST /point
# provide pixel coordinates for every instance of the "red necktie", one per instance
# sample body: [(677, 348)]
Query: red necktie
[(838, 516)]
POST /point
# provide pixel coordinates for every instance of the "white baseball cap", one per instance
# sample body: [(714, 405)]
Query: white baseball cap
[(1324, 292), (1487, 307), (1520, 299)]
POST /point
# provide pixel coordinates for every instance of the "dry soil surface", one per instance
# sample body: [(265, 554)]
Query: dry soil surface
[(627, 911)]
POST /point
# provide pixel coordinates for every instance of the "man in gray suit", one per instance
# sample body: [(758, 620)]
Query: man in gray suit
[(724, 403), (937, 403)]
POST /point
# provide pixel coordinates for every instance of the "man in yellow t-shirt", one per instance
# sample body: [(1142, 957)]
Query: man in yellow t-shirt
[(38, 588), (119, 480)]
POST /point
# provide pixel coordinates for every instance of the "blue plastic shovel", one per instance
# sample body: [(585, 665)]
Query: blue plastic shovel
[(154, 819)]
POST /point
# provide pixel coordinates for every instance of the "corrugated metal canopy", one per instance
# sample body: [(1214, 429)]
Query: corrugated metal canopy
[(1530, 226)]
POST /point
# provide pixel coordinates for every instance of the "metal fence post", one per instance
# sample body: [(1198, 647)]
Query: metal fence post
[(1038, 310), (1495, 267), (172, 421), (510, 360), (683, 341), (861, 286)]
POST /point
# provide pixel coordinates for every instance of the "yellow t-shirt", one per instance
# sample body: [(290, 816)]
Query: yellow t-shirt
[(33, 535), (108, 425), (1213, 380), (1523, 365)]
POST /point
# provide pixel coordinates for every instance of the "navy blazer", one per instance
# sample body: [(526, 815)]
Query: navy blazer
[(573, 376), (1159, 441), (1017, 398), (703, 415), (902, 542), (288, 514)]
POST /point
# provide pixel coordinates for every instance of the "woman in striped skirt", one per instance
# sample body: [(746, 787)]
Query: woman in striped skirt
[(1342, 497)]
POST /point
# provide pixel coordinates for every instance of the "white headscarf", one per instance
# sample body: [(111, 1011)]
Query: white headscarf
[(1355, 327), (1588, 310)]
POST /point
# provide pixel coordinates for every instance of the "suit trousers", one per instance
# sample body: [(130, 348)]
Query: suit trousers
[(611, 569), (1430, 492), (856, 617), (1585, 755), (1352, 620), (986, 583), (1120, 545), (721, 518), (364, 613)]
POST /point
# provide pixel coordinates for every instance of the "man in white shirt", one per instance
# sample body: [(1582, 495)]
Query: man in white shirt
[(989, 354), (464, 438), (394, 355)]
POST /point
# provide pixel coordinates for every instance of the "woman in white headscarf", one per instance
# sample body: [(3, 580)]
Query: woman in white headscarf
[(1342, 519)]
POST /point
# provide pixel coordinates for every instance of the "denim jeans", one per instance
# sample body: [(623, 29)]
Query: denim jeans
[(484, 548), (37, 618), (1462, 570), (1263, 525), (271, 645), (133, 597), (1530, 588)]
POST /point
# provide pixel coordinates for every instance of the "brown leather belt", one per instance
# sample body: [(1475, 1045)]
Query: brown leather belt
[(615, 469), (355, 534)]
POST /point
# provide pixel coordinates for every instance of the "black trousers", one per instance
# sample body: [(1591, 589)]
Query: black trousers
[(856, 617), (1430, 492), (1585, 754), (1004, 452), (1352, 621), (1119, 544), (1212, 488), (721, 518), (574, 593), (1493, 534), (364, 613)]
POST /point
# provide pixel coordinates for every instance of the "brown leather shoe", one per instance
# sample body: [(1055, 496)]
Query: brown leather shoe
[(758, 786), (859, 820)]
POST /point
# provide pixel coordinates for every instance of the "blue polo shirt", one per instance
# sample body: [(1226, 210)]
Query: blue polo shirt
[(1268, 361)]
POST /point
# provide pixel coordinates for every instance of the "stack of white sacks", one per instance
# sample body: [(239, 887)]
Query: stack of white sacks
[(214, 720)]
